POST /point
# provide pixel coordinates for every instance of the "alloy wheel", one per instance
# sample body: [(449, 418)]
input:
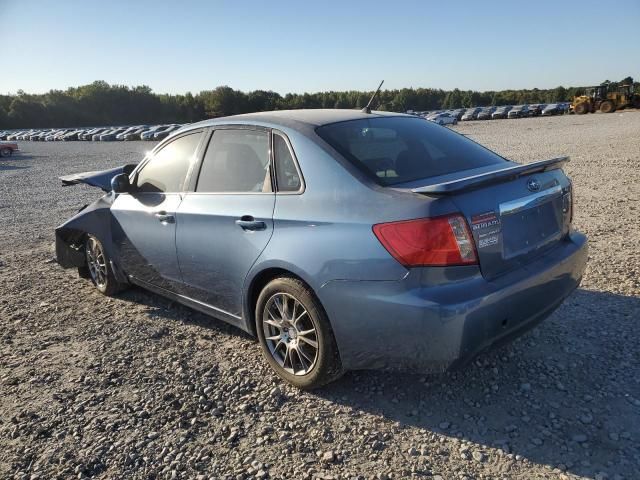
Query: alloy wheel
[(96, 262), (290, 334)]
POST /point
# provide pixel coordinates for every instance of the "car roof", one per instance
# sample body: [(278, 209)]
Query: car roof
[(300, 118)]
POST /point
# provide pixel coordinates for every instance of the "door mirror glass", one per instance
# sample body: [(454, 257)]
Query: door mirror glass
[(120, 183)]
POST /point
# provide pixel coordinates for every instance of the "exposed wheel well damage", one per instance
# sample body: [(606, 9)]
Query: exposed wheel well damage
[(69, 247)]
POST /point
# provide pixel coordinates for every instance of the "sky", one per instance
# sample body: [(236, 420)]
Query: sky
[(309, 46)]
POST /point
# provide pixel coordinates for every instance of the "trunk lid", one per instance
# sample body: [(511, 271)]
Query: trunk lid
[(514, 213)]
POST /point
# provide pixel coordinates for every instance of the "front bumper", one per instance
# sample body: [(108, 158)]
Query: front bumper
[(436, 319)]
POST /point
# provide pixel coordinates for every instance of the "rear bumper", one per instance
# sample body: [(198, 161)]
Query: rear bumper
[(430, 321)]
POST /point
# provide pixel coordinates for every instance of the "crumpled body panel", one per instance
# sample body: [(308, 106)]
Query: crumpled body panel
[(100, 179), (70, 236)]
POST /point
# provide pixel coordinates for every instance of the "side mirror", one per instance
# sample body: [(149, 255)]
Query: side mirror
[(120, 183)]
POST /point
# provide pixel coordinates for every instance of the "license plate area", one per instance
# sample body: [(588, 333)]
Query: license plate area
[(532, 226)]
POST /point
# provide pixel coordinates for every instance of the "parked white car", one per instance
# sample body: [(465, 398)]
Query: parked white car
[(443, 119)]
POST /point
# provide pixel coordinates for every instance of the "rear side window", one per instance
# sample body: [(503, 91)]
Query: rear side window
[(287, 176), (167, 170), (395, 150), (236, 161)]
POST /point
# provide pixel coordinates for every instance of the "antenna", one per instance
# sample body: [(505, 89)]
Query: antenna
[(367, 109)]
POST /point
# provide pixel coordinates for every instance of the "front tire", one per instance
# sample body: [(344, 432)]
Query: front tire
[(581, 108), (295, 335), (5, 152), (99, 268)]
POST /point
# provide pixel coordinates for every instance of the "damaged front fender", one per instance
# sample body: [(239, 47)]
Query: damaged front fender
[(70, 236)]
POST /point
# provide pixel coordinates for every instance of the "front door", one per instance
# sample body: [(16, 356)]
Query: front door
[(144, 221), (227, 222)]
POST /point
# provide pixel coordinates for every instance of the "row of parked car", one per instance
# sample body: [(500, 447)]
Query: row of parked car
[(158, 132), (451, 117), (102, 134)]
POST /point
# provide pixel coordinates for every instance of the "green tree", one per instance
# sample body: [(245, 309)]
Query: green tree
[(223, 101), (100, 103), (559, 94), (4, 117)]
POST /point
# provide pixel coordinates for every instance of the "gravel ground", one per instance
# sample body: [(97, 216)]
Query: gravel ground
[(139, 387)]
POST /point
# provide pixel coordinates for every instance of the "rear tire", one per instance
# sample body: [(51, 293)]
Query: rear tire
[(5, 152), (295, 335), (607, 107), (99, 268)]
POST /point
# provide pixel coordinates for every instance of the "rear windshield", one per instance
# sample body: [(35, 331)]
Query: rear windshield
[(396, 150)]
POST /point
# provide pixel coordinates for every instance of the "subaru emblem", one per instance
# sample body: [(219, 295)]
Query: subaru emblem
[(533, 184)]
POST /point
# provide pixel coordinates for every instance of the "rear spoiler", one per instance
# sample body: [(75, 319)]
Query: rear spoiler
[(100, 179), (497, 176)]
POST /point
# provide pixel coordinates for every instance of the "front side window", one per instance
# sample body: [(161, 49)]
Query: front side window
[(287, 176), (395, 150), (236, 161), (167, 170)]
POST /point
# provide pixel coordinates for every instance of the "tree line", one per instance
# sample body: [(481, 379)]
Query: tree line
[(99, 103)]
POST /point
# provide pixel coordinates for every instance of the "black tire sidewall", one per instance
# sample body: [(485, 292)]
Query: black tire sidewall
[(111, 285), (5, 152), (327, 367)]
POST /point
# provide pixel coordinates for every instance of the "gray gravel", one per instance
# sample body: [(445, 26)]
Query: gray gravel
[(139, 387)]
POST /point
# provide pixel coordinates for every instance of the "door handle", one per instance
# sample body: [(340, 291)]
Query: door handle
[(164, 217), (247, 222)]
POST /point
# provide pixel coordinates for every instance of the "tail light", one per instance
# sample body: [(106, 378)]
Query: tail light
[(438, 241)]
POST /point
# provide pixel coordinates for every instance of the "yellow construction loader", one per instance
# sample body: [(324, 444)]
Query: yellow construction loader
[(606, 99)]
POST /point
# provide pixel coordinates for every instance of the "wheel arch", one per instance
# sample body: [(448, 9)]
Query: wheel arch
[(258, 280)]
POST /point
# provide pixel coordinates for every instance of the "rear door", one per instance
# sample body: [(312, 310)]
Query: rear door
[(227, 221), (144, 221)]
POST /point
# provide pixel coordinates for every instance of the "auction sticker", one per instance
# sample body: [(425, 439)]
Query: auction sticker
[(487, 228)]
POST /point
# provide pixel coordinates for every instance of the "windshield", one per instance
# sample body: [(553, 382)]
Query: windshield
[(395, 150)]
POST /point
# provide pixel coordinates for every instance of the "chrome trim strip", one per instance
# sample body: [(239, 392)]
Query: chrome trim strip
[(515, 206), (190, 302)]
